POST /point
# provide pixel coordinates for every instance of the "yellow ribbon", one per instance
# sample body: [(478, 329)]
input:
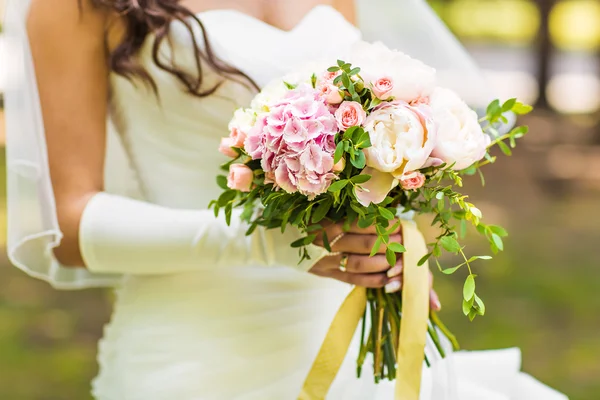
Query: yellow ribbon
[(415, 311)]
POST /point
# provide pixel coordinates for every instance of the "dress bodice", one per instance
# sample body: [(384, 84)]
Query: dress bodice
[(172, 140)]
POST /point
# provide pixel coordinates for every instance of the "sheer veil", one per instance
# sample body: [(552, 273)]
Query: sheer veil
[(33, 230)]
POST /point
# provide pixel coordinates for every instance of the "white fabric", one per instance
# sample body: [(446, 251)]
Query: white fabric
[(126, 236), (226, 328)]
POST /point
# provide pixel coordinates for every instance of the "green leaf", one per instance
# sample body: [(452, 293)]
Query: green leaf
[(226, 197), (376, 246), (337, 79), (474, 258), (228, 212), (337, 186), (339, 152), (352, 90), (472, 314), (333, 69), (365, 222), (498, 230), (385, 213), (358, 179), (522, 109), (424, 259), (345, 79), (341, 63), (360, 160), (350, 132), (498, 241), (504, 147), (466, 306), (480, 305), (290, 86), (450, 271), (508, 105), (222, 182), (469, 288), (304, 241), (363, 140), (354, 71), (450, 244), (321, 211), (519, 132), (390, 256), (251, 229), (494, 108), (326, 244), (397, 247)]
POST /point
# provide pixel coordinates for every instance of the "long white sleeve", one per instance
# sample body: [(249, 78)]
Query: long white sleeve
[(122, 235)]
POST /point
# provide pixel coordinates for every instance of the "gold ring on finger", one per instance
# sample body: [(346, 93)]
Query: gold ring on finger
[(344, 263)]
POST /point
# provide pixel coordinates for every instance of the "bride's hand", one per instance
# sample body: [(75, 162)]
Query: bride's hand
[(350, 261)]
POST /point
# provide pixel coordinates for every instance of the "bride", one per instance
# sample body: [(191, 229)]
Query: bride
[(114, 116)]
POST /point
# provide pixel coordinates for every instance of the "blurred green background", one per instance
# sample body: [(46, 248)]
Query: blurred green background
[(541, 293)]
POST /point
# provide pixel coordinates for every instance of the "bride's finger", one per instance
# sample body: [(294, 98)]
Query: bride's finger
[(361, 244), (434, 301), (354, 228), (363, 264), (372, 281)]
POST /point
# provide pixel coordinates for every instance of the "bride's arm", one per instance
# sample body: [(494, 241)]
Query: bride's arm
[(69, 53)]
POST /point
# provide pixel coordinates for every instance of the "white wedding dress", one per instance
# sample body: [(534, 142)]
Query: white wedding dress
[(239, 331)]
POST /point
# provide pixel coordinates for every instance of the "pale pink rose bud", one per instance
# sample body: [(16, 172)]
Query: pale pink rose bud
[(240, 177), (412, 180), (382, 88), (340, 165), (350, 113), (226, 148), (331, 94), (237, 138)]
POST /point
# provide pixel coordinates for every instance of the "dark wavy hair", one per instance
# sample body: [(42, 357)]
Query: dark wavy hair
[(144, 17)]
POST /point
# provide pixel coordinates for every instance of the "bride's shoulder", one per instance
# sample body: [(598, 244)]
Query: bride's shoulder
[(347, 9), (66, 17)]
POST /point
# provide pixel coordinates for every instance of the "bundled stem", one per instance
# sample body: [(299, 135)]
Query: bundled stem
[(382, 337)]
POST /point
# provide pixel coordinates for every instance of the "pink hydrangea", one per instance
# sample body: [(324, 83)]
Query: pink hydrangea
[(295, 142)]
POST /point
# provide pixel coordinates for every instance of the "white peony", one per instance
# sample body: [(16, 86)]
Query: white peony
[(411, 79), (402, 139), (460, 139)]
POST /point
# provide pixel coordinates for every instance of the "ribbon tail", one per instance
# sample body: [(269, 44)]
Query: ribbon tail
[(415, 312), (335, 346)]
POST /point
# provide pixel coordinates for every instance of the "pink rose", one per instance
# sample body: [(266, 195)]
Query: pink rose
[(350, 113), (226, 148), (340, 165), (331, 93), (329, 77), (240, 177), (382, 88), (237, 137), (412, 180)]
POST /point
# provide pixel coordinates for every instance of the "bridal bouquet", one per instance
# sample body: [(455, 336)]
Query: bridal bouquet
[(359, 142)]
